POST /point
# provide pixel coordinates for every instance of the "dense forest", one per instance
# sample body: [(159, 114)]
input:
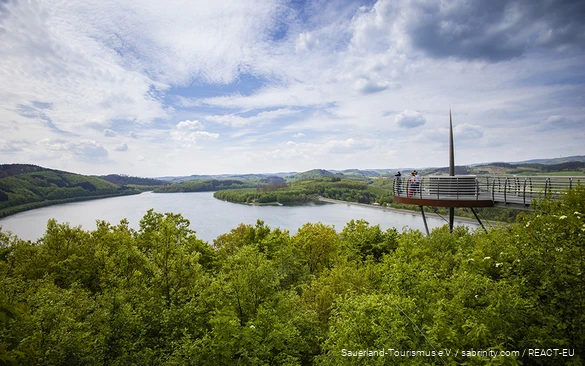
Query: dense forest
[(262, 296), (24, 187), (198, 185), (133, 181)]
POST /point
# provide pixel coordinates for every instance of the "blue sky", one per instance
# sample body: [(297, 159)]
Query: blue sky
[(153, 88)]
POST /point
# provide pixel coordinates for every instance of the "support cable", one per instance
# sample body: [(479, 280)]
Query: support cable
[(420, 331), (438, 214)]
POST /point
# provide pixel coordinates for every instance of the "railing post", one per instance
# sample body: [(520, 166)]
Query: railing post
[(494, 190), (505, 189), (524, 193), (570, 182)]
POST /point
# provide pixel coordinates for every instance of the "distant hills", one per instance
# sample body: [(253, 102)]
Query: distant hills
[(564, 168), (554, 160), (177, 179), (27, 186), (535, 166)]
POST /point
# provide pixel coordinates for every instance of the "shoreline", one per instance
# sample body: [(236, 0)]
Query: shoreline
[(487, 223), (13, 210)]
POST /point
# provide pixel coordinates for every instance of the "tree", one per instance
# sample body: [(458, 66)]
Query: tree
[(317, 244)]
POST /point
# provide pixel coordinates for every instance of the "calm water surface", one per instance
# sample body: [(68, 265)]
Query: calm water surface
[(209, 217)]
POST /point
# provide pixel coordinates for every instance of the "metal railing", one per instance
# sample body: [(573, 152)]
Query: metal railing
[(498, 188)]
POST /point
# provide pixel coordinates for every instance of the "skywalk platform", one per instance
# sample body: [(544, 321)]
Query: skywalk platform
[(480, 191)]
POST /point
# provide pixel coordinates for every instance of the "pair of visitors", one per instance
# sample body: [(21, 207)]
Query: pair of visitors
[(413, 184)]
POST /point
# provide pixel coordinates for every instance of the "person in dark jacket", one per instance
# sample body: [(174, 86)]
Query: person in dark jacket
[(397, 182)]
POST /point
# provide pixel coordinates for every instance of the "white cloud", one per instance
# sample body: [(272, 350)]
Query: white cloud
[(12, 145), (306, 42), (367, 86), (297, 135), (466, 131), (410, 119), (557, 122), (189, 125), (106, 61), (229, 119), (122, 147), (291, 149), (109, 133), (50, 55), (84, 150), (347, 146), (262, 117), (191, 131)]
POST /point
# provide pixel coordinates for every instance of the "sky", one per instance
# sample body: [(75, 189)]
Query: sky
[(157, 88)]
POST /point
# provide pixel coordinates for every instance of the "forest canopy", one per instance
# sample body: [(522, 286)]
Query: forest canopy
[(263, 296)]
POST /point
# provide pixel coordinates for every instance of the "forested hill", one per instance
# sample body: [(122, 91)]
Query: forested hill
[(121, 179), (24, 187), (311, 174), (573, 168), (198, 185)]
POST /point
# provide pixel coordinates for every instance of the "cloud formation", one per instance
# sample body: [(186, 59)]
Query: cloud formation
[(233, 82), (466, 131), (191, 131), (410, 119), (83, 150), (472, 29), (122, 147)]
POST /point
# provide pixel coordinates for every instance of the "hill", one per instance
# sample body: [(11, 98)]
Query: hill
[(565, 168), (565, 159), (201, 185), (311, 174), (24, 187), (122, 180), (243, 177)]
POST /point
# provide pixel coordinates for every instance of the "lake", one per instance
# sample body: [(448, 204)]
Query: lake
[(209, 217)]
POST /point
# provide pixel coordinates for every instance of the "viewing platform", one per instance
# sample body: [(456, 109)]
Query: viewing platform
[(480, 191)]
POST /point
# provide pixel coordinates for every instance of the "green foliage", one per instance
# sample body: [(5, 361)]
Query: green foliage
[(198, 185), (317, 245), (122, 180), (312, 174), (261, 296), (362, 241), (307, 190)]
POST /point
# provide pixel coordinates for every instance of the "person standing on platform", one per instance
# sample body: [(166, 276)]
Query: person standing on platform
[(416, 182), (397, 182), (411, 184)]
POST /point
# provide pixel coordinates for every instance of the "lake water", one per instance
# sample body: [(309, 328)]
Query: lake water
[(209, 217)]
